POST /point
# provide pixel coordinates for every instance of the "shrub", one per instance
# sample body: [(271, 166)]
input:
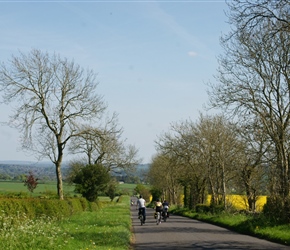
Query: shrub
[(36, 207), (91, 180), (202, 208), (31, 182), (277, 209)]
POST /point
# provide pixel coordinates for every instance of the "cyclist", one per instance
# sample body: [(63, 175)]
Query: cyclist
[(141, 204), (165, 205), (158, 207)]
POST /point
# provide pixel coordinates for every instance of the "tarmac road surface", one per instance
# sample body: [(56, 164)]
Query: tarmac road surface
[(184, 233)]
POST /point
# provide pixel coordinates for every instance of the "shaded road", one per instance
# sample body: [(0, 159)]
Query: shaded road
[(183, 233)]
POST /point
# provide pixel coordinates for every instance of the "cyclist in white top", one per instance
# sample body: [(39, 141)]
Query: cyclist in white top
[(141, 204)]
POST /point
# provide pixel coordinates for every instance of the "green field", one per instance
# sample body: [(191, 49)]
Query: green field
[(7, 187), (42, 188), (127, 187)]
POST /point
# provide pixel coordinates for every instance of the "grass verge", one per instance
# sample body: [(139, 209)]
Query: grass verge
[(107, 228), (254, 225)]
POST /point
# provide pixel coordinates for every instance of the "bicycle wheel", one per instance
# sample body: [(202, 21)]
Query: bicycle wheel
[(158, 219), (164, 216)]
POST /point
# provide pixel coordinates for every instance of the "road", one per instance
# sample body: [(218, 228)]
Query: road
[(183, 233)]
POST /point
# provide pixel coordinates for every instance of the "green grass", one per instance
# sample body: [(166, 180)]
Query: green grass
[(42, 188), (107, 228), (7, 187), (255, 225), (127, 188)]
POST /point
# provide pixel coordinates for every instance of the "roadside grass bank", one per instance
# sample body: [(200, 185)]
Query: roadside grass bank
[(107, 228), (251, 224)]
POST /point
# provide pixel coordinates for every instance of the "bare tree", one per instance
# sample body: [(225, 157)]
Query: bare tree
[(253, 78), (250, 16), (163, 175), (255, 149), (219, 153), (104, 145), (206, 156), (180, 144), (53, 96)]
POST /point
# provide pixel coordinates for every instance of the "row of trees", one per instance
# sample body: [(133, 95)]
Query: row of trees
[(247, 148), (210, 156), (57, 110)]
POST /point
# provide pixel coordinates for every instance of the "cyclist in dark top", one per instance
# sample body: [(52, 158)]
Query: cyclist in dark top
[(165, 205)]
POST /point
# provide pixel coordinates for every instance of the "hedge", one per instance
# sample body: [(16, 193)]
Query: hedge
[(35, 207)]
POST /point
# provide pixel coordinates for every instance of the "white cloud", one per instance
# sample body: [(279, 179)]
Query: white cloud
[(192, 54)]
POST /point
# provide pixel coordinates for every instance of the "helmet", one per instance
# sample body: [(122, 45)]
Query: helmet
[(140, 196)]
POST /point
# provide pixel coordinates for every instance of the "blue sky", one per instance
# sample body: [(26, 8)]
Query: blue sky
[(152, 58)]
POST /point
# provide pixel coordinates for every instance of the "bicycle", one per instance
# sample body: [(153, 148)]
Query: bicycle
[(158, 218), (164, 216), (141, 217)]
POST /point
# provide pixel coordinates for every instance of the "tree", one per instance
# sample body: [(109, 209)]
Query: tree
[(163, 175), (111, 189), (253, 78), (219, 150), (202, 157), (142, 190), (91, 180), (180, 146), (31, 182), (253, 161), (104, 145), (53, 96)]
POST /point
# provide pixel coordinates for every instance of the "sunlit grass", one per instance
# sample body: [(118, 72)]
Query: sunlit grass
[(256, 225), (107, 228), (281, 232)]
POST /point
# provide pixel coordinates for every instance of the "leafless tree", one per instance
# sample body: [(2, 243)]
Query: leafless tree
[(255, 148), (253, 78), (104, 145), (219, 150), (207, 155), (163, 175), (181, 144), (52, 97)]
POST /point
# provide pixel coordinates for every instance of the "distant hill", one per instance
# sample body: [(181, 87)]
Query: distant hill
[(42, 170), (46, 170)]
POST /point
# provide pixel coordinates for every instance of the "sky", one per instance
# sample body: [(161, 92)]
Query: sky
[(153, 58)]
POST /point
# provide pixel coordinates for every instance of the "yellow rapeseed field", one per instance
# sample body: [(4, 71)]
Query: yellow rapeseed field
[(239, 201)]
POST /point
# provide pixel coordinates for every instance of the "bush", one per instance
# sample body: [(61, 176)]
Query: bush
[(36, 207), (91, 180), (202, 208), (216, 209), (277, 209)]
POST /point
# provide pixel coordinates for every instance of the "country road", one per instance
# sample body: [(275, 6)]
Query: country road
[(183, 233)]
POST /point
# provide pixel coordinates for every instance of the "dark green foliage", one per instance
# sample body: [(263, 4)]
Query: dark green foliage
[(216, 208), (202, 208), (277, 209), (111, 189), (156, 193), (91, 180)]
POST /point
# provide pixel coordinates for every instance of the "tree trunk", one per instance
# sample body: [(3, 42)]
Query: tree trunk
[(224, 193), (59, 180)]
